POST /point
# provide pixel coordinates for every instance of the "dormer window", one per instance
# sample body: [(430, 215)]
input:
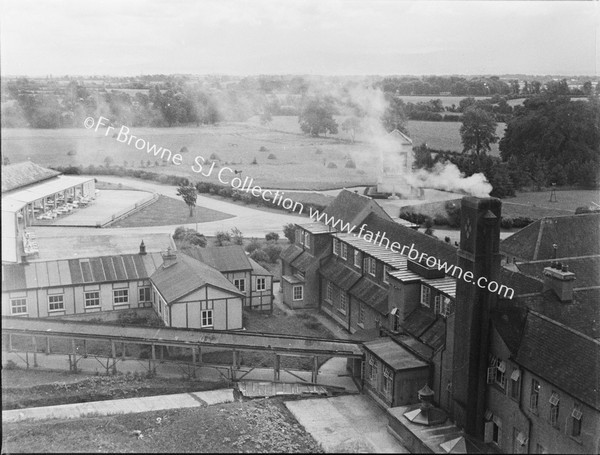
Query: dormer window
[(299, 236), (307, 239), (356, 258), (336, 247), (385, 272), (370, 265), (425, 295), (344, 251)]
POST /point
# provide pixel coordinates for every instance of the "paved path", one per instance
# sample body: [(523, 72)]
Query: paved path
[(124, 406), (352, 423)]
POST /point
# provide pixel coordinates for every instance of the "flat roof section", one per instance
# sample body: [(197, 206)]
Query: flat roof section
[(394, 355)]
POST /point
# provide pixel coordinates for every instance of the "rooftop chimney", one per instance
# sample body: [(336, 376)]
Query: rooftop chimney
[(142, 248), (558, 278), (169, 258)]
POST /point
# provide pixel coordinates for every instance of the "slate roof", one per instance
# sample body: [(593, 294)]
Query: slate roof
[(258, 269), (371, 294), (353, 208), (393, 354), (561, 356), (231, 258), (418, 321), (70, 272), (509, 320), (290, 253), (575, 235), (407, 236), (521, 283), (22, 174), (342, 276), (186, 275), (303, 261), (586, 269)]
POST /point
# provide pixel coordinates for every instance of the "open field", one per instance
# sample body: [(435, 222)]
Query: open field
[(254, 426), (567, 200)]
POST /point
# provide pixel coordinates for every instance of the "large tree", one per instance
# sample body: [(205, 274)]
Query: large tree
[(394, 117), (189, 195), (478, 131), (317, 117)]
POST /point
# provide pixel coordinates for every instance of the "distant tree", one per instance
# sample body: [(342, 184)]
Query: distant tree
[(394, 117), (108, 161), (222, 238), (317, 117), (536, 87), (189, 195), (514, 86), (352, 125), (289, 231), (587, 88), (237, 236), (478, 131), (272, 236)]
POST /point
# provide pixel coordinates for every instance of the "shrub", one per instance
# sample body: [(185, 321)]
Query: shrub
[(262, 149), (254, 161), (71, 153), (506, 222), (289, 230), (521, 221), (214, 156), (440, 220), (179, 233), (235, 195), (350, 164), (225, 192), (272, 236), (202, 187), (331, 165), (271, 156), (183, 149), (259, 256), (247, 198), (222, 237), (273, 251), (253, 246), (237, 236)]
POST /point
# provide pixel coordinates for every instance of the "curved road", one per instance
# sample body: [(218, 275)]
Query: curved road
[(252, 222)]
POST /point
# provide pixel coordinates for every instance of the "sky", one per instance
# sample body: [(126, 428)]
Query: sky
[(326, 37)]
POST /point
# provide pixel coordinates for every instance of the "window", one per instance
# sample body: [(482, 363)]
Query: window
[(207, 318), (370, 265), (329, 291), (515, 384), (299, 236), (18, 306), (500, 374), (387, 381), (554, 408), (425, 293), (373, 367), (344, 251), (144, 294), (261, 284), (336, 247), (447, 307), (437, 304), (240, 283), (385, 271), (298, 292), (535, 396), (343, 302), (307, 239), (91, 299), (56, 302), (497, 430), (576, 416), (120, 296), (361, 314), (356, 258)]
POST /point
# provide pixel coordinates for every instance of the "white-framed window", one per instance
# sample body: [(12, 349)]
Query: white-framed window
[(336, 247), (207, 318), (373, 368), (500, 378), (56, 302), (534, 397), (18, 306), (357, 262), (299, 236), (497, 431), (144, 294), (344, 251), (425, 295), (343, 302), (361, 314), (385, 272), (370, 265), (447, 307), (120, 296), (329, 291), (307, 239), (298, 292), (576, 417), (240, 283), (554, 408), (515, 384), (437, 304), (387, 381), (91, 299), (261, 284)]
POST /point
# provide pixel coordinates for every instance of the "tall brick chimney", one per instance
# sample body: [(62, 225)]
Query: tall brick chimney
[(558, 278), (479, 254)]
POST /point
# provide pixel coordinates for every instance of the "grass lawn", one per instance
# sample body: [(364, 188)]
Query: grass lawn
[(166, 211), (567, 200), (253, 426)]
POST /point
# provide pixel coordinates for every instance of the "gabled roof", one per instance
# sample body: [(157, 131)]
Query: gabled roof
[(418, 321), (304, 261), (353, 208), (574, 235), (22, 174), (372, 294), (336, 272), (230, 258), (290, 253), (561, 356), (186, 275), (407, 236), (400, 136), (586, 269), (393, 354), (258, 269), (70, 272)]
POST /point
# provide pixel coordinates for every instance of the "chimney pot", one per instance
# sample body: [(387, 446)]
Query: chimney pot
[(142, 248)]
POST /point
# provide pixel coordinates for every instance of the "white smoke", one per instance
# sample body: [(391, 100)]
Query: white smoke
[(447, 177)]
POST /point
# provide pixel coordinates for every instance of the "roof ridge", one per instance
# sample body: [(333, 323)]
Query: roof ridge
[(563, 326)]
